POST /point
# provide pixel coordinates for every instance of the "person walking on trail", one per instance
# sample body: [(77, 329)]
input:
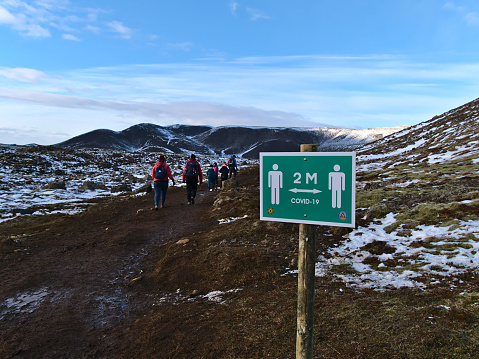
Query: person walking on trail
[(233, 167), (224, 173), (191, 174), (216, 169), (161, 172), (211, 176)]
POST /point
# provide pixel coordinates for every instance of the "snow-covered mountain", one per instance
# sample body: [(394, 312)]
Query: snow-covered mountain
[(246, 142), (143, 137)]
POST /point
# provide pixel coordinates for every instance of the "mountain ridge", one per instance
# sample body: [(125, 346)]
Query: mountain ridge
[(244, 141)]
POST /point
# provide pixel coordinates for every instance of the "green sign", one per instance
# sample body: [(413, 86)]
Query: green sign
[(308, 187)]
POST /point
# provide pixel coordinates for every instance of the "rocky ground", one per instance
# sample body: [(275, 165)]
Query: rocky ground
[(120, 280)]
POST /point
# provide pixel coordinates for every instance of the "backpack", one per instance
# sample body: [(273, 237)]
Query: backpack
[(210, 173), (191, 169), (160, 172)]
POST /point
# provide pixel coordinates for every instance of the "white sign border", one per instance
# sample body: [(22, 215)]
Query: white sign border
[(307, 154)]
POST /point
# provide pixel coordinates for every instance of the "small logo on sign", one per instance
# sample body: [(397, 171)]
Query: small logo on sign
[(343, 216), (270, 210)]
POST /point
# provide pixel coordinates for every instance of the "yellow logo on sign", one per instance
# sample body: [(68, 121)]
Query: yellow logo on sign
[(270, 210)]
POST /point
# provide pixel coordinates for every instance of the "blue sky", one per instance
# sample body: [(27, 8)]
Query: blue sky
[(69, 67)]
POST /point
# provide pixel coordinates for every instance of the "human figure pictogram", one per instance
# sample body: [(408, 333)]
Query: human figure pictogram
[(337, 183), (275, 181)]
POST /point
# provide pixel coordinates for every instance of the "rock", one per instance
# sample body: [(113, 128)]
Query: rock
[(194, 293), (369, 216), (124, 187), (56, 185), (183, 241), (145, 188), (22, 211), (135, 280), (230, 183), (294, 263), (372, 186), (91, 186)]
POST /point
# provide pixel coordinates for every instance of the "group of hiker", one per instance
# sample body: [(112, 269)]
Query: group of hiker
[(192, 176)]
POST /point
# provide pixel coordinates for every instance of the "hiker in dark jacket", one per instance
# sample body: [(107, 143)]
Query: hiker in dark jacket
[(211, 176), (191, 174), (233, 166), (224, 173), (217, 171), (160, 173)]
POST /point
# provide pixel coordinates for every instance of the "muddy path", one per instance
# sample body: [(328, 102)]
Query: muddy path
[(65, 278)]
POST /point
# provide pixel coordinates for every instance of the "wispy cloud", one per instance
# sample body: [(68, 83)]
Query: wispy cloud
[(187, 112), (257, 14), (92, 28), (70, 37), (470, 17), (44, 18), (29, 20), (184, 46), (23, 74), (233, 7), (6, 17), (118, 27), (277, 91)]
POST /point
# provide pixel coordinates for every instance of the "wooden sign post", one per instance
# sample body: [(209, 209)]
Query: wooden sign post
[(310, 188), (306, 277)]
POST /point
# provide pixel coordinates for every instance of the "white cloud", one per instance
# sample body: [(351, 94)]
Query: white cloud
[(39, 19), (257, 14), (70, 37), (233, 7), (184, 46), (94, 29), (6, 17), (355, 92), (120, 29), (470, 17), (171, 112), (34, 30), (28, 26), (23, 74)]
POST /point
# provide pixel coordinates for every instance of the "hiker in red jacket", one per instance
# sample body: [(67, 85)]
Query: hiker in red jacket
[(191, 174), (160, 173)]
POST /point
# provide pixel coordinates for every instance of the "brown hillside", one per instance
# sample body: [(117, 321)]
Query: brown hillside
[(122, 281)]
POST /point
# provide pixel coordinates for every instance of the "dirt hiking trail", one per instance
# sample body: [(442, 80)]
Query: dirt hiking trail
[(120, 280), (64, 278)]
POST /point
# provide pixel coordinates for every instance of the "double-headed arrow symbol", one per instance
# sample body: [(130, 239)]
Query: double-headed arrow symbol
[(296, 190)]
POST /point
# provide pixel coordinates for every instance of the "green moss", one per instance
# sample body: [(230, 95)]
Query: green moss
[(344, 269), (404, 233)]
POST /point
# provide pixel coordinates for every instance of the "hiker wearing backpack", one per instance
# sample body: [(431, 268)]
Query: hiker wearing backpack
[(224, 173), (191, 174), (211, 176), (217, 171), (160, 173), (233, 167)]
